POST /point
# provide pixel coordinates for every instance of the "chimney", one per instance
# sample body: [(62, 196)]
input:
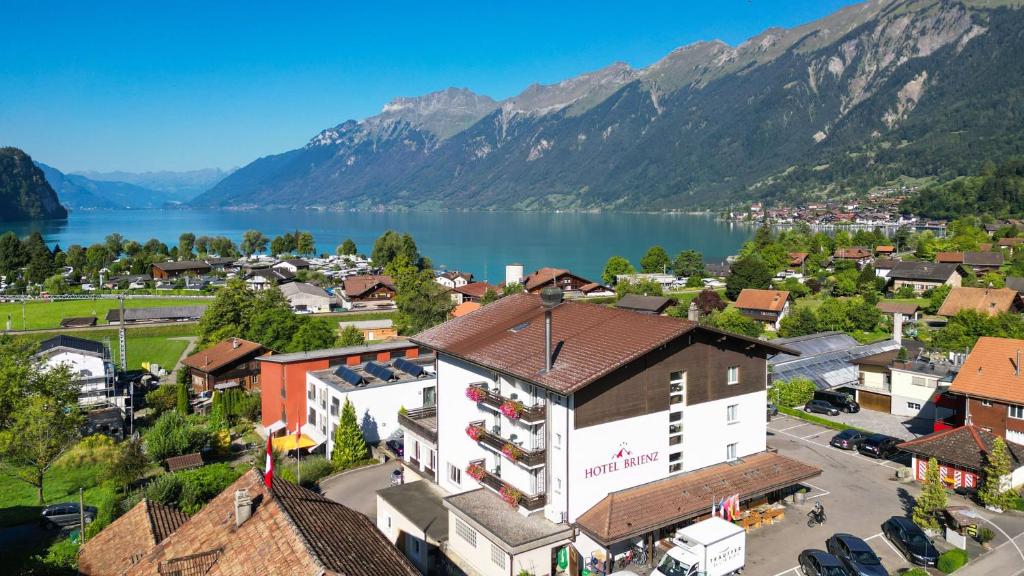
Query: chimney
[(243, 507), (550, 297), (692, 314), (897, 327), (234, 343)]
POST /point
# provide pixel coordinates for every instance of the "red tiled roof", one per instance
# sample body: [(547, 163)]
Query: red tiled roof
[(966, 446), (125, 540), (542, 276), (853, 253), (1011, 242), (905, 308), (356, 286), (475, 289), (184, 462), (885, 248), (644, 508), (590, 340), (770, 300), (989, 301), (465, 308), (990, 371), (797, 258), (292, 531), (949, 257), (222, 354)]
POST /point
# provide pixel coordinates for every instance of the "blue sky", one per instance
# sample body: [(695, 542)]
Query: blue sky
[(181, 85)]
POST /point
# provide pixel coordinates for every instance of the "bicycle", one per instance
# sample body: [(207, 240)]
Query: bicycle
[(640, 557)]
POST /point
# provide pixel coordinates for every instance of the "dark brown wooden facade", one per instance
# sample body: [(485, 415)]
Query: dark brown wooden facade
[(995, 417)]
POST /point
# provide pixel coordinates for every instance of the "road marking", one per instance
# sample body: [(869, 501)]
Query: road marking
[(793, 569), (823, 491), (853, 453), (886, 540), (1003, 532), (875, 536), (797, 426)]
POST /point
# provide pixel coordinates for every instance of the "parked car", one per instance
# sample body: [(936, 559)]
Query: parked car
[(396, 443), (773, 410), (856, 555), (840, 400), (848, 439), (820, 563), (910, 540), (821, 407), (65, 515), (878, 446)]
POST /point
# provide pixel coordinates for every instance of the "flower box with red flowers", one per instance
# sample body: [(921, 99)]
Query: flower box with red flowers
[(475, 393), (511, 409), (510, 495), (474, 432), (512, 452), (476, 471)]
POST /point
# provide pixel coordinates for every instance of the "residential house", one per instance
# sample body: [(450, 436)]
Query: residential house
[(412, 517), (962, 455), (568, 282), (907, 388), (157, 314), (249, 528), (1012, 244), (992, 387), (368, 292), (264, 278), (859, 254), (223, 264), (372, 330), (766, 306), (883, 266), (305, 297), (1015, 283), (655, 305), (89, 363), (665, 280), (546, 430), (989, 301), (377, 390), (717, 269), (454, 279), (283, 378), (165, 270), (465, 308), (978, 262), (923, 276), (949, 257), (885, 250), (227, 364), (910, 311), (472, 292), (596, 290), (292, 265), (796, 260)]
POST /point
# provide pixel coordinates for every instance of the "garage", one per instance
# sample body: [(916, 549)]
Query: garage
[(874, 401)]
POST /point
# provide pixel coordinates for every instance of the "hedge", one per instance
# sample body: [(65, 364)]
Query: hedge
[(951, 560)]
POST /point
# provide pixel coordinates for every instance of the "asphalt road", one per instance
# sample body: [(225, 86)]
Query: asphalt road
[(357, 488)]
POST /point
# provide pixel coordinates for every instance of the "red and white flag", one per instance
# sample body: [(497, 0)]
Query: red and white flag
[(268, 474)]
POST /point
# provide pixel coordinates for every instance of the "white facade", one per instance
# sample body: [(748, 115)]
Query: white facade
[(93, 373), (913, 393), (301, 296), (376, 405)]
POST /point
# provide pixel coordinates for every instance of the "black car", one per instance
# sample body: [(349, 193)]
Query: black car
[(879, 446), (820, 563), (821, 407), (856, 555), (841, 400), (397, 446), (66, 515), (848, 439), (772, 410), (910, 540)]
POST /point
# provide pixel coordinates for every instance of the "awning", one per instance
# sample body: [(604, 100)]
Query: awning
[(288, 443), (226, 385), (275, 427)]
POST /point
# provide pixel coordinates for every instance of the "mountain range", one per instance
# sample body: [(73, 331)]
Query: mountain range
[(876, 91), (129, 190)]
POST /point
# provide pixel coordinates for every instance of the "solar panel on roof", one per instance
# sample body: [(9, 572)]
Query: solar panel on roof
[(408, 367), (379, 371), (349, 375)]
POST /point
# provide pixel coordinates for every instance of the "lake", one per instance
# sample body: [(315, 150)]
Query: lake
[(478, 242)]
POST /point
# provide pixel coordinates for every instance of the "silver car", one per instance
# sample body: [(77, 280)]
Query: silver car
[(66, 515)]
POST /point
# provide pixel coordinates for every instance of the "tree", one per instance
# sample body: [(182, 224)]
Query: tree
[(936, 297), (616, 266), (12, 257), (181, 394), (42, 428), (351, 336), (55, 285), (391, 245), (708, 302), (304, 243), (655, 260), (932, 498), (313, 334), (731, 320), (253, 241), (747, 272), (347, 248), (513, 288), (130, 464), (689, 263), (994, 489), (349, 444), (115, 244), (490, 295), (800, 322), (791, 393), (641, 287), (421, 301), (186, 242)]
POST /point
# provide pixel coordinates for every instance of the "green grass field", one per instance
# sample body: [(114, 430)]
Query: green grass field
[(145, 344), (39, 315)]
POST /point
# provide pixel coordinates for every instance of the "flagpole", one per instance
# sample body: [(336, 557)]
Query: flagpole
[(298, 454)]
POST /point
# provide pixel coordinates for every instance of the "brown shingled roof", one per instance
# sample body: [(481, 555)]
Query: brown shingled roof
[(126, 539), (797, 258), (355, 286), (989, 301), (644, 508), (590, 340), (949, 257), (542, 276), (990, 371), (475, 289), (184, 462), (853, 253), (222, 353), (755, 299), (905, 308), (966, 446)]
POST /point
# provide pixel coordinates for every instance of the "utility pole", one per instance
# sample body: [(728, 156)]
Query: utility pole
[(81, 516), (122, 337)]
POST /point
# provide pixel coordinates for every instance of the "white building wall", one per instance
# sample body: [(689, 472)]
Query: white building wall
[(558, 432), (403, 534), (454, 413), (90, 372), (904, 392), (707, 431)]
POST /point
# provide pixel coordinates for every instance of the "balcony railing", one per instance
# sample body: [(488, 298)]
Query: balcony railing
[(421, 422), (531, 502), (528, 415), (525, 457)]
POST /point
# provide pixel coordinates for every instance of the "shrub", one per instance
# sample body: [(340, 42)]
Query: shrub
[(164, 489), (174, 435), (313, 469), (200, 485), (916, 572), (790, 393), (162, 399), (951, 560), (61, 558), (984, 535)]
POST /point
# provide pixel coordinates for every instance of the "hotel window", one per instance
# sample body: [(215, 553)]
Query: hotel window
[(986, 402), (558, 440), (675, 462), (677, 387), (730, 452), (334, 406), (732, 413), (1017, 412), (311, 417), (497, 555), (454, 474), (465, 532), (733, 375)]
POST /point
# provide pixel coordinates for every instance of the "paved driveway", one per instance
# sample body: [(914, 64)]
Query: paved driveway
[(884, 423), (859, 493), (357, 489)]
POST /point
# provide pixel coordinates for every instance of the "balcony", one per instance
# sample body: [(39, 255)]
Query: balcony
[(531, 502), (421, 422), (524, 457), (527, 414)]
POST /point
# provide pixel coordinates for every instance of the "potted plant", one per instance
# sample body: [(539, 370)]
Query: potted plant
[(511, 409), (512, 452), (510, 495), (475, 393), (474, 432), (476, 471)]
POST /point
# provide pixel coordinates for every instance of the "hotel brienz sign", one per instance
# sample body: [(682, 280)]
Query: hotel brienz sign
[(622, 459)]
